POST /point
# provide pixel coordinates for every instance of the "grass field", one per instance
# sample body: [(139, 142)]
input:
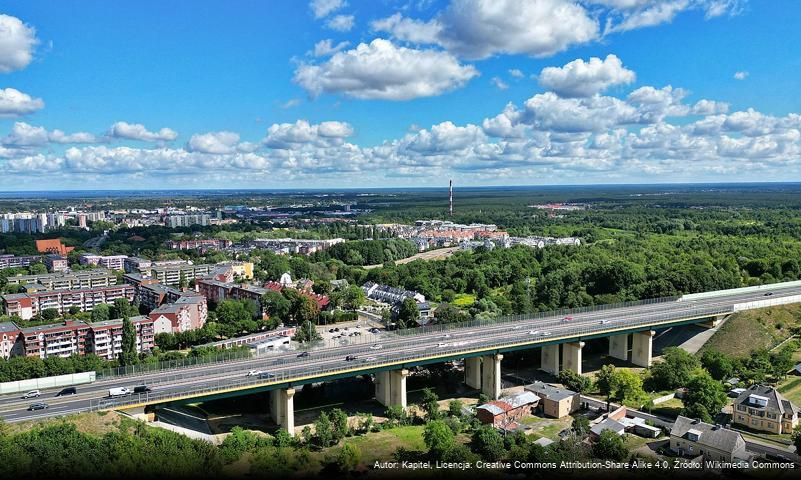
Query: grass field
[(464, 300), (791, 388), (89, 423), (746, 331)]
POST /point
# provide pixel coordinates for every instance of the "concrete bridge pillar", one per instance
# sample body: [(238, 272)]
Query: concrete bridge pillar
[(550, 359), (472, 372), (491, 376), (282, 408), (642, 348), (390, 387), (619, 346), (714, 321), (571, 356)]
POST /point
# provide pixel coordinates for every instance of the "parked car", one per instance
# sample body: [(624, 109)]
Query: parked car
[(32, 394), (67, 391), (38, 406)]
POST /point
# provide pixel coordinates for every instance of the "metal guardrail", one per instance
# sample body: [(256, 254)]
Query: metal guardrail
[(303, 372)]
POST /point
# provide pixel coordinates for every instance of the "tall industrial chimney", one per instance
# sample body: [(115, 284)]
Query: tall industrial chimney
[(450, 198)]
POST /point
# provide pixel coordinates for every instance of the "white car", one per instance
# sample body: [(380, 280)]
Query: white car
[(446, 336), (254, 373), (442, 345), (534, 332), (32, 394), (545, 334), (604, 322), (516, 327), (376, 347)]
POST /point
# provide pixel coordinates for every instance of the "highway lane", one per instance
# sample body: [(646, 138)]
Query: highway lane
[(394, 347)]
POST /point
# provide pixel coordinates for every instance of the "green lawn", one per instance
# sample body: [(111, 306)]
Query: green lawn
[(791, 388), (464, 300), (746, 331), (381, 445)]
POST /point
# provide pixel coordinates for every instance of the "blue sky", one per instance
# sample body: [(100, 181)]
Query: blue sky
[(190, 94)]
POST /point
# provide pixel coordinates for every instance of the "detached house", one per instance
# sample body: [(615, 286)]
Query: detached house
[(762, 407)]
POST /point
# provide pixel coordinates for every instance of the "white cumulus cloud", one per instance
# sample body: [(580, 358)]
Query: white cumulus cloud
[(14, 103), (583, 79), (341, 23), (137, 131), (17, 41), (322, 8), (382, 70), (213, 142)]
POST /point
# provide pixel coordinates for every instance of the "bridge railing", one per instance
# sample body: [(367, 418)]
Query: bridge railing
[(221, 357), (550, 314), (402, 358)]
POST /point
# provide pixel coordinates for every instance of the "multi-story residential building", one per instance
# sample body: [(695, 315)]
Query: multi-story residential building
[(9, 346), (11, 261), (174, 221), (56, 340), (171, 274), (154, 295), (200, 244), (56, 263), (27, 305), (136, 264), (217, 291), (105, 338), (112, 262), (762, 407), (68, 281), (295, 245), (692, 438), (187, 313)]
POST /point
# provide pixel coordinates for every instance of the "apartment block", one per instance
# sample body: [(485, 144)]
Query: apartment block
[(112, 262), (105, 338), (94, 278), (187, 313), (27, 305), (56, 340), (11, 261), (56, 263), (171, 274)]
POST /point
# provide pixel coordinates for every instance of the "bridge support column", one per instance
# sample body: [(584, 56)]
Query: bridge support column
[(390, 387), (491, 376), (472, 372), (139, 414), (571, 356), (282, 408), (619, 346), (642, 348), (550, 359), (714, 321)]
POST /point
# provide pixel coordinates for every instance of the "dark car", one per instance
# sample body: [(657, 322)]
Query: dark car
[(303, 354), (350, 358), (67, 391), (266, 375), (141, 389), (37, 406), (769, 294)]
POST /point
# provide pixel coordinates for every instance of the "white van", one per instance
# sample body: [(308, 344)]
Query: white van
[(119, 392)]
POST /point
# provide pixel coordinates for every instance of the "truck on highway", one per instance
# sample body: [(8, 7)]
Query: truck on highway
[(118, 392)]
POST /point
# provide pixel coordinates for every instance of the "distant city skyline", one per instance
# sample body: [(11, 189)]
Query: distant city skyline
[(357, 94)]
